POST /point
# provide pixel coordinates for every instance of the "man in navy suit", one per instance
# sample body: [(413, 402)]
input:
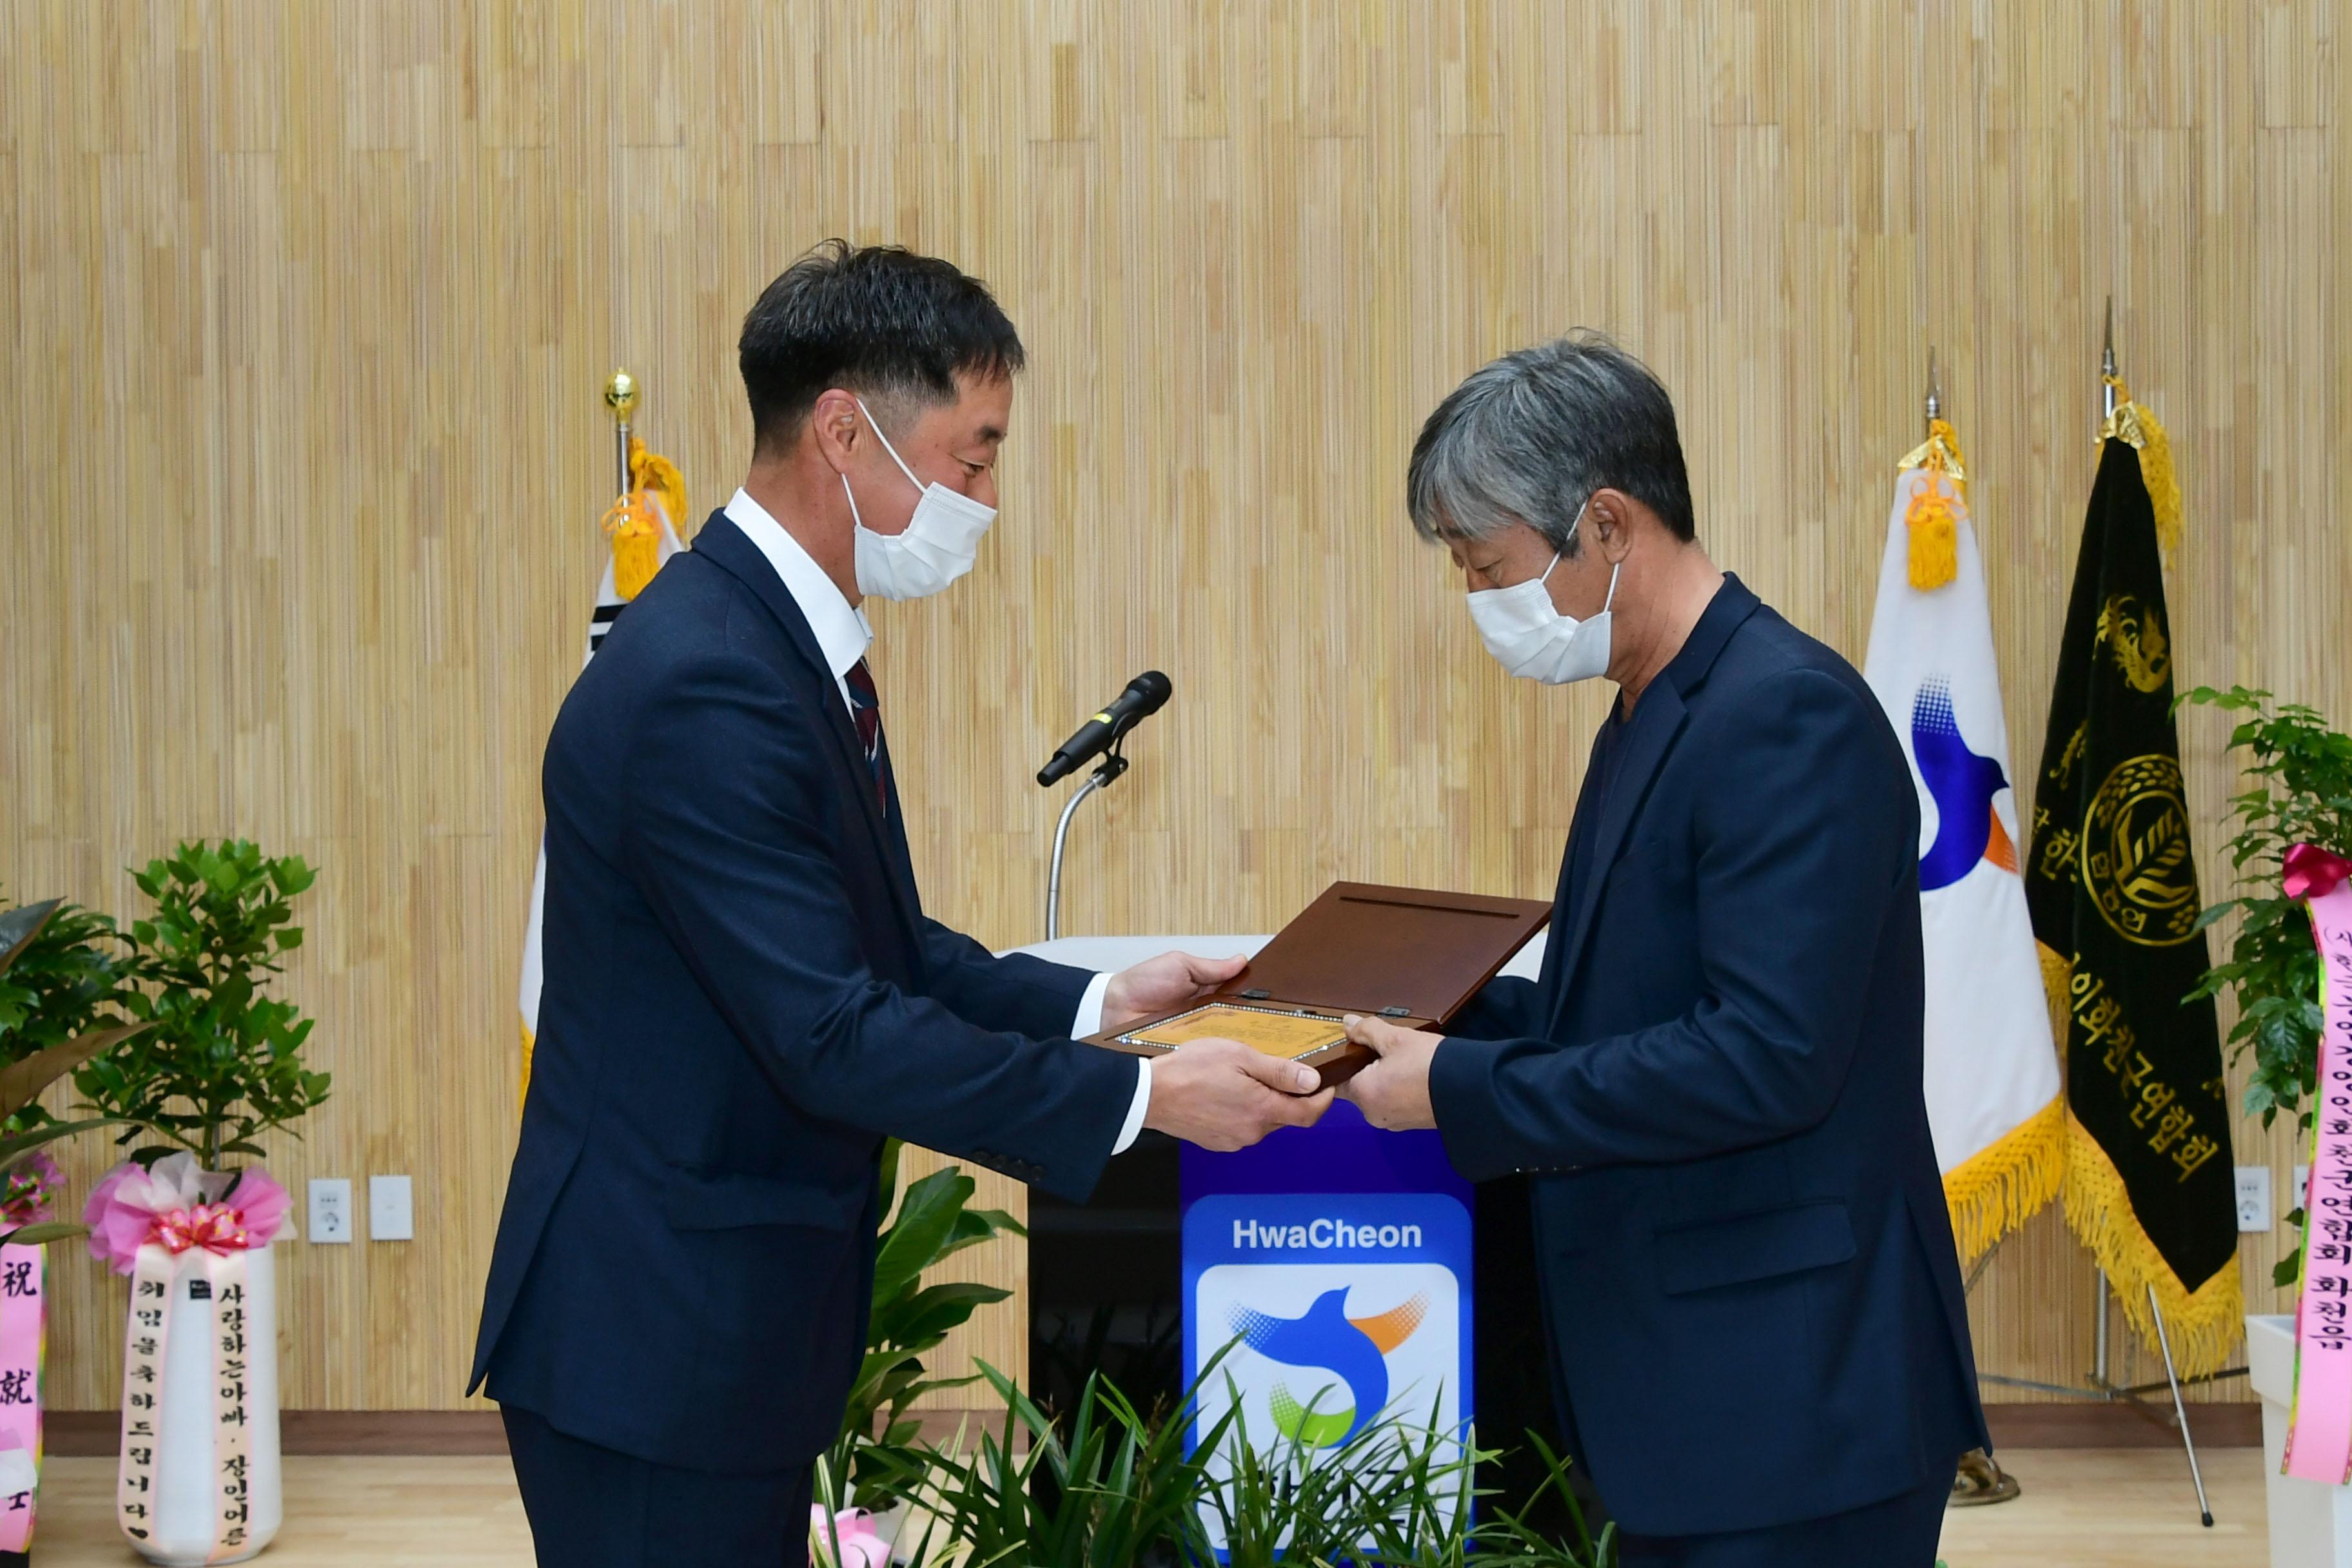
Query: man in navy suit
[(1758, 1347), (743, 993)]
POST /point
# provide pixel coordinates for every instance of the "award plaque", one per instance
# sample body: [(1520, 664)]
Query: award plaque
[(1411, 956)]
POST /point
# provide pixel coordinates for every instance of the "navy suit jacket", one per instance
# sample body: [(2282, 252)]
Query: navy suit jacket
[(1750, 1283), (742, 996)]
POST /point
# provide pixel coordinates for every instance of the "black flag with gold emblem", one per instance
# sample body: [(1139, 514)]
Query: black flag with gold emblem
[(2112, 884)]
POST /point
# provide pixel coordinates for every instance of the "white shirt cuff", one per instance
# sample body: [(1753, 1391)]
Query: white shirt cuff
[(1135, 1110), (1090, 1006), (1089, 1022)]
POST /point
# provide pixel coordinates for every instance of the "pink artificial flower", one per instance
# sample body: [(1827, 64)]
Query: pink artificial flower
[(177, 1206), (25, 1196), (262, 1203), (2313, 872), (861, 1547)]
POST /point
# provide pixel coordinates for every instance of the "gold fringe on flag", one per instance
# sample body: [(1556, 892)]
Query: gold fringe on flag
[(2058, 985), (1932, 518), (2201, 1325), (2136, 424), (522, 1092), (2006, 1182)]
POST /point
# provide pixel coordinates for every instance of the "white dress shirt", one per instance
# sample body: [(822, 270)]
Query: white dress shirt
[(843, 636)]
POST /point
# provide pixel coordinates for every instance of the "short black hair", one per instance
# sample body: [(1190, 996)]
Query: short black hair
[(1531, 436), (877, 320)]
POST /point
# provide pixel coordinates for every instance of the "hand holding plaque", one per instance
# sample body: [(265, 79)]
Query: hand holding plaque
[(1223, 1095), (1411, 957)]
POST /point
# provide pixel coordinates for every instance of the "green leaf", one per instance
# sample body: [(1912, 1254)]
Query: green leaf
[(21, 1082), (19, 1146), (19, 926), (927, 1215), (41, 1235)]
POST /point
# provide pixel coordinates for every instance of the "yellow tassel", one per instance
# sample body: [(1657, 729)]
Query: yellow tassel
[(1940, 452), (1932, 518), (651, 473), (2204, 1325), (523, 1092), (2002, 1185), (1935, 527), (2136, 424), (636, 545)]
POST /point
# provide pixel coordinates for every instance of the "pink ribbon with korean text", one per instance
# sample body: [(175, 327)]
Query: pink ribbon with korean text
[(24, 1328), (2319, 1431)]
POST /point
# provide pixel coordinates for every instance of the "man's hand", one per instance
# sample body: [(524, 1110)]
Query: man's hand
[(1163, 985), (1393, 1092), (1222, 1095)]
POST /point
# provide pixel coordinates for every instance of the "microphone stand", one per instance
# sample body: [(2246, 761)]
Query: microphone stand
[(1114, 764)]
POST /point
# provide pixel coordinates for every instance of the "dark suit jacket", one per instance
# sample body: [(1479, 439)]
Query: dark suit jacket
[(743, 996), (1747, 1267)]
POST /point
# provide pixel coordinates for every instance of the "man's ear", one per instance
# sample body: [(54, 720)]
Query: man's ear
[(1609, 517), (837, 427)]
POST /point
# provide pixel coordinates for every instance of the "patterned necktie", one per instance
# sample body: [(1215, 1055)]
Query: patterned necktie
[(865, 710)]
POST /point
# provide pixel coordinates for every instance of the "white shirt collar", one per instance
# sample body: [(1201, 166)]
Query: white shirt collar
[(843, 635)]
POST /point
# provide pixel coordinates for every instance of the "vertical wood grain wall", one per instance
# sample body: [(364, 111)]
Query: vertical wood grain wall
[(308, 305)]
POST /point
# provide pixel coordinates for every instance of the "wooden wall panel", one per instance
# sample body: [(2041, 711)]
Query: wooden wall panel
[(310, 306)]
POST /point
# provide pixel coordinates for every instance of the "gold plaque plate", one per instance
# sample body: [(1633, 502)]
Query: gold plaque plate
[(1276, 1033)]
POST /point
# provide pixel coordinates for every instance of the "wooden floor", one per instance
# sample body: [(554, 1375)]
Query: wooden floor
[(2095, 1508)]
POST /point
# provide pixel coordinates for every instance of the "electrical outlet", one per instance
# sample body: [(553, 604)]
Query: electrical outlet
[(2301, 1184), (2254, 1197), (331, 1209), (392, 1212)]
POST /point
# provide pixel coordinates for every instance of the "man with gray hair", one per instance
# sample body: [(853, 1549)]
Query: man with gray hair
[(1759, 1351)]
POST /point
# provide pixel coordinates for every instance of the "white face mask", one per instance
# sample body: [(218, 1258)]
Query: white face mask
[(936, 547), (1530, 637)]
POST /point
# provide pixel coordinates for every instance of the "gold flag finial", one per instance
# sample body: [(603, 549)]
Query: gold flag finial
[(621, 396), (1935, 390)]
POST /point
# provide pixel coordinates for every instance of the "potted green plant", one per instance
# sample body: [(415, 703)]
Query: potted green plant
[(1105, 1484), (910, 1320), (58, 983), (2300, 774), (2299, 778), (219, 1066), (222, 1062)]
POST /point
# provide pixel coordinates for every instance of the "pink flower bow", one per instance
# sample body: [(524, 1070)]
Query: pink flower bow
[(861, 1547), (178, 1207), (2313, 872), (24, 1195)]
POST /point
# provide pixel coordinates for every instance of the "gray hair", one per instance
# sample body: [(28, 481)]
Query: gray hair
[(1531, 436)]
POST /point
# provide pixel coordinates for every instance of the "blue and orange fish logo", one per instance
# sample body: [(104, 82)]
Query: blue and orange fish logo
[(1355, 1350), (1963, 785)]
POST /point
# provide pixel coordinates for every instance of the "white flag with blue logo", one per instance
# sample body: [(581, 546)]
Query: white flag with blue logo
[(1992, 1087)]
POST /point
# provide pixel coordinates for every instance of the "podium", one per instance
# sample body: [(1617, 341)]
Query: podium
[(1335, 1259)]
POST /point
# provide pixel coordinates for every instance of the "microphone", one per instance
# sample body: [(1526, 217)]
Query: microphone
[(1141, 699)]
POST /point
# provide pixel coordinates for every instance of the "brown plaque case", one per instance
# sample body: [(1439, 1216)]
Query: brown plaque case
[(1410, 956)]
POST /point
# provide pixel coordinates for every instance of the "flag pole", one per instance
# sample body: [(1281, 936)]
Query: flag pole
[(1978, 1477), (2108, 369), (621, 397), (2107, 416)]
